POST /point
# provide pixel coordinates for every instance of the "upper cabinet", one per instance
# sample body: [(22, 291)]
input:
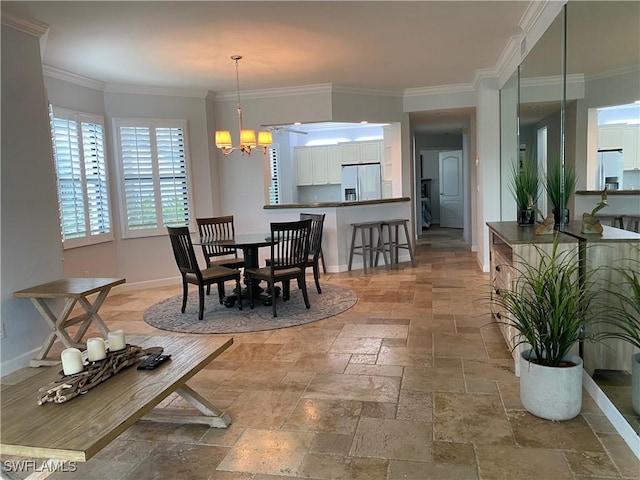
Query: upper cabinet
[(322, 165), (626, 137), (361, 152)]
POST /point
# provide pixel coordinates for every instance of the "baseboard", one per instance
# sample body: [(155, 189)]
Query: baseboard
[(610, 411), (161, 282), (16, 363)]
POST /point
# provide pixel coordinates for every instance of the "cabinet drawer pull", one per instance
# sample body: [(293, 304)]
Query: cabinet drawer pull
[(497, 291), (498, 316), (497, 268)]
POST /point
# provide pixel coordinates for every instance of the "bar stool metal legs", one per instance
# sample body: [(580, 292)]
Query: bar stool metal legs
[(370, 243), (392, 227)]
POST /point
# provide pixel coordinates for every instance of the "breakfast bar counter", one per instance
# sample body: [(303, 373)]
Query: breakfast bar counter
[(336, 236)]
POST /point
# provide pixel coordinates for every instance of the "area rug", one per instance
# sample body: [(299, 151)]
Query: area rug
[(166, 315)]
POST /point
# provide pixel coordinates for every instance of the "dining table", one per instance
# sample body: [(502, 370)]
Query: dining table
[(249, 243)]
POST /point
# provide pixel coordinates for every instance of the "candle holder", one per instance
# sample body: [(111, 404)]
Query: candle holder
[(96, 372)]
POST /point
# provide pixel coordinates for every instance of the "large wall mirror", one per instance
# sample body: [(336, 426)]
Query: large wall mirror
[(578, 95)]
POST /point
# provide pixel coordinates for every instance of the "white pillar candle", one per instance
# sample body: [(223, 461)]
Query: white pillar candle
[(116, 341), (71, 361), (96, 349)]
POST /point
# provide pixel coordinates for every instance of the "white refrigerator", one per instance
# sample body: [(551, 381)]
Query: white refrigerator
[(361, 181), (610, 169)]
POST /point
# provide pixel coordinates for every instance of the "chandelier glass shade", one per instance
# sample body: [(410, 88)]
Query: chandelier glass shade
[(248, 139)]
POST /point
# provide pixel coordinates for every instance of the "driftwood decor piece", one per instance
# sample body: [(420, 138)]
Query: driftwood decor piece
[(70, 386), (590, 224), (546, 226)]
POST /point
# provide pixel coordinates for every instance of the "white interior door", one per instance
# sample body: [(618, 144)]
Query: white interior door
[(451, 194)]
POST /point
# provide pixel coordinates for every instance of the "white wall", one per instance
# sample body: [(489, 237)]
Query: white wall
[(31, 252)]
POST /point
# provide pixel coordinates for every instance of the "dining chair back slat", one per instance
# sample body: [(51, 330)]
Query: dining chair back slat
[(219, 228)]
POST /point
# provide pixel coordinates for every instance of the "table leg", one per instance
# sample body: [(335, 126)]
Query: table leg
[(57, 330), (209, 415), (251, 260), (92, 315)]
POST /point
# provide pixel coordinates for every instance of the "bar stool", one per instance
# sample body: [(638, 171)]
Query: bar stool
[(393, 243), (367, 244)]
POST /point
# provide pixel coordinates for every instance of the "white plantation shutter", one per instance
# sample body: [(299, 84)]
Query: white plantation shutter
[(81, 175), (154, 170), (274, 187)]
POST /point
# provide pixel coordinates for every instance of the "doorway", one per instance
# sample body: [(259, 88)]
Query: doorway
[(451, 193)]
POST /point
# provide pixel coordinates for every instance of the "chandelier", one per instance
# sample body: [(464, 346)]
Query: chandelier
[(247, 137)]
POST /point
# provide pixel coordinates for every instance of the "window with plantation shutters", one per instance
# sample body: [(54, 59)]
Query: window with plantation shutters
[(81, 176), (274, 187), (154, 181)]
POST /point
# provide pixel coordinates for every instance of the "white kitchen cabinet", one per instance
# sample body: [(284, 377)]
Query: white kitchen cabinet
[(631, 148), (334, 164), (320, 171), (350, 153), (609, 137), (304, 166), (361, 152), (626, 137)]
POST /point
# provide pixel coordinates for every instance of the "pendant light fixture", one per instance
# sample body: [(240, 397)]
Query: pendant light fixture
[(247, 137)]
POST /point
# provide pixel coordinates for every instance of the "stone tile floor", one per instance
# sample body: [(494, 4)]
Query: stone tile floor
[(413, 382)]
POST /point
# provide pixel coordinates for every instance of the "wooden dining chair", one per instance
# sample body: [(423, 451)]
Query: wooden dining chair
[(289, 256), (219, 227), (189, 269), (315, 246)]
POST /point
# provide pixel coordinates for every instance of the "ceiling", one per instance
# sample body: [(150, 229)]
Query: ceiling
[(359, 44), (368, 45)]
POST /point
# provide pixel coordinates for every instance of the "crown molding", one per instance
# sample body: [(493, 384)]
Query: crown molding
[(150, 90), (553, 80), (25, 25), (612, 73), (364, 91), (439, 90), (74, 78), (276, 92)]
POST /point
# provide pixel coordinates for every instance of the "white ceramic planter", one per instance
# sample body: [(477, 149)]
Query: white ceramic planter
[(635, 382), (554, 393)]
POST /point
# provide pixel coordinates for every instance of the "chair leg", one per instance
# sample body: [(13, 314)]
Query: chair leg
[(185, 291), (316, 276), (238, 289), (324, 267), (353, 246), (273, 298), (200, 302), (250, 288), (220, 291), (286, 290), (302, 285)]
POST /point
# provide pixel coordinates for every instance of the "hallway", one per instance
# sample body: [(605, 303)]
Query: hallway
[(413, 382)]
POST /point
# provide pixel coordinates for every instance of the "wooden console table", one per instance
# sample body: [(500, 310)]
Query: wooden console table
[(78, 429), (72, 290)]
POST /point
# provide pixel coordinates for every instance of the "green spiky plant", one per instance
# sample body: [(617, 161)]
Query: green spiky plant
[(524, 183), (554, 184), (548, 303)]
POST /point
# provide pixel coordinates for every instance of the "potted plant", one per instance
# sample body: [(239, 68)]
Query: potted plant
[(624, 318), (546, 305), (525, 188), (560, 187)]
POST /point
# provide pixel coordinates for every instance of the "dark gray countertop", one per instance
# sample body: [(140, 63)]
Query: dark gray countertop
[(609, 234), (337, 204), (514, 234)]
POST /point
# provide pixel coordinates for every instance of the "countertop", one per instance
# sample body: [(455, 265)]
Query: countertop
[(609, 234), (337, 204), (609, 192), (514, 234)]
